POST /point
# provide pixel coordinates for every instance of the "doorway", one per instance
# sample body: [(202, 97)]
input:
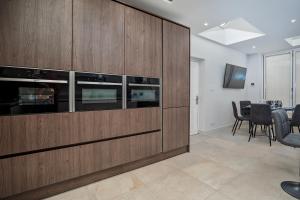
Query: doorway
[(195, 95)]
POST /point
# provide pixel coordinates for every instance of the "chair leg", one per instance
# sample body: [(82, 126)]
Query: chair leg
[(234, 125), (299, 129), (254, 135), (251, 132), (250, 126), (274, 136), (270, 138), (240, 124)]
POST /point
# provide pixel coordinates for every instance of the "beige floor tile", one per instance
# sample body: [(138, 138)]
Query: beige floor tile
[(77, 194), (218, 196), (115, 186), (179, 186), (212, 173), (155, 171)]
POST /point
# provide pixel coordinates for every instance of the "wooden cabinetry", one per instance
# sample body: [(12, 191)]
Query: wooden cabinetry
[(175, 128), (33, 171), (36, 33), (176, 62), (98, 36), (34, 132), (143, 44)]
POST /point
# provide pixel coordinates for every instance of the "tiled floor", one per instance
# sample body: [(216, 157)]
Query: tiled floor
[(219, 167)]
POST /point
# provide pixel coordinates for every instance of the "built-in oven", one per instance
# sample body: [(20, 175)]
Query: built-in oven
[(98, 92), (142, 92), (28, 91)]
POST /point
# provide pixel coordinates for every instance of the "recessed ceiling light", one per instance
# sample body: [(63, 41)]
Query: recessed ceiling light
[(168, 1), (253, 47), (293, 21), (205, 24)]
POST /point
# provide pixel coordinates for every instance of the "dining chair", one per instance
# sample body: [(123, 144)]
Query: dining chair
[(261, 114), (285, 137), (245, 111), (295, 121), (238, 119)]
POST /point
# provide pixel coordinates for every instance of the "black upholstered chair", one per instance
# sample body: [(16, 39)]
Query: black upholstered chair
[(282, 130), (261, 114), (238, 119), (295, 121), (245, 110)]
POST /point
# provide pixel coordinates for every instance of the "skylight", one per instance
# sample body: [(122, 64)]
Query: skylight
[(294, 41), (232, 32)]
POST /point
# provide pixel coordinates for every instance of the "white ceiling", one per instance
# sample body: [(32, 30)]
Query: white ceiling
[(273, 17)]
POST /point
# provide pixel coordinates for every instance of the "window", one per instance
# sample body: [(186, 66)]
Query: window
[(282, 77)]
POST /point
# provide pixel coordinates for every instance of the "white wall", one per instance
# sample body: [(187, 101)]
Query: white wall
[(215, 104)]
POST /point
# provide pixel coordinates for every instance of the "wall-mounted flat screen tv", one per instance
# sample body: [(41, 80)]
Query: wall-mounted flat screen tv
[(234, 77)]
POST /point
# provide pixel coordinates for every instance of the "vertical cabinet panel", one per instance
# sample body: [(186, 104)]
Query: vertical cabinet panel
[(36, 33), (175, 128), (98, 36), (176, 60), (143, 44), (29, 172)]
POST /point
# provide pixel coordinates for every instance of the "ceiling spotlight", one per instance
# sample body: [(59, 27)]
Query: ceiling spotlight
[(293, 21), (253, 47), (168, 1), (205, 24)]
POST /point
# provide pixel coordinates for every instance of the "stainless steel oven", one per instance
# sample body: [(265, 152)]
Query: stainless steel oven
[(143, 92), (28, 91), (98, 92)]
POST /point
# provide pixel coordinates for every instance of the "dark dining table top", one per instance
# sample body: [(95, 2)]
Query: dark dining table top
[(276, 108)]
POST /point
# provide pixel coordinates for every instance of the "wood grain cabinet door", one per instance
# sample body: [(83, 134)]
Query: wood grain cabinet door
[(28, 172), (143, 44), (176, 62), (98, 36), (175, 128), (36, 33)]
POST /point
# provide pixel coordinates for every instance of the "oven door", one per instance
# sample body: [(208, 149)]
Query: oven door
[(91, 96), (143, 95), (29, 96)]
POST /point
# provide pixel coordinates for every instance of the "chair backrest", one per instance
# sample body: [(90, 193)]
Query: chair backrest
[(282, 124), (245, 111), (261, 114), (235, 111), (296, 116), (278, 103)]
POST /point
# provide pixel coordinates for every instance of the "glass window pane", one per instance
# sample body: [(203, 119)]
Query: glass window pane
[(93, 96), (278, 76)]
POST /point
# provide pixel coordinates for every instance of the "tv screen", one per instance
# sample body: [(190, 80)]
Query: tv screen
[(234, 77)]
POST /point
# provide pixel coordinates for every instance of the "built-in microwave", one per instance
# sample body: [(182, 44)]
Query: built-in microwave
[(98, 91), (142, 92), (28, 91)]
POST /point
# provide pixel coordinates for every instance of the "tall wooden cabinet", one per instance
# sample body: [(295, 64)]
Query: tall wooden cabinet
[(143, 44), (44, 154), (36, 33), (175, 65), (98, 31), (176, 73)]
